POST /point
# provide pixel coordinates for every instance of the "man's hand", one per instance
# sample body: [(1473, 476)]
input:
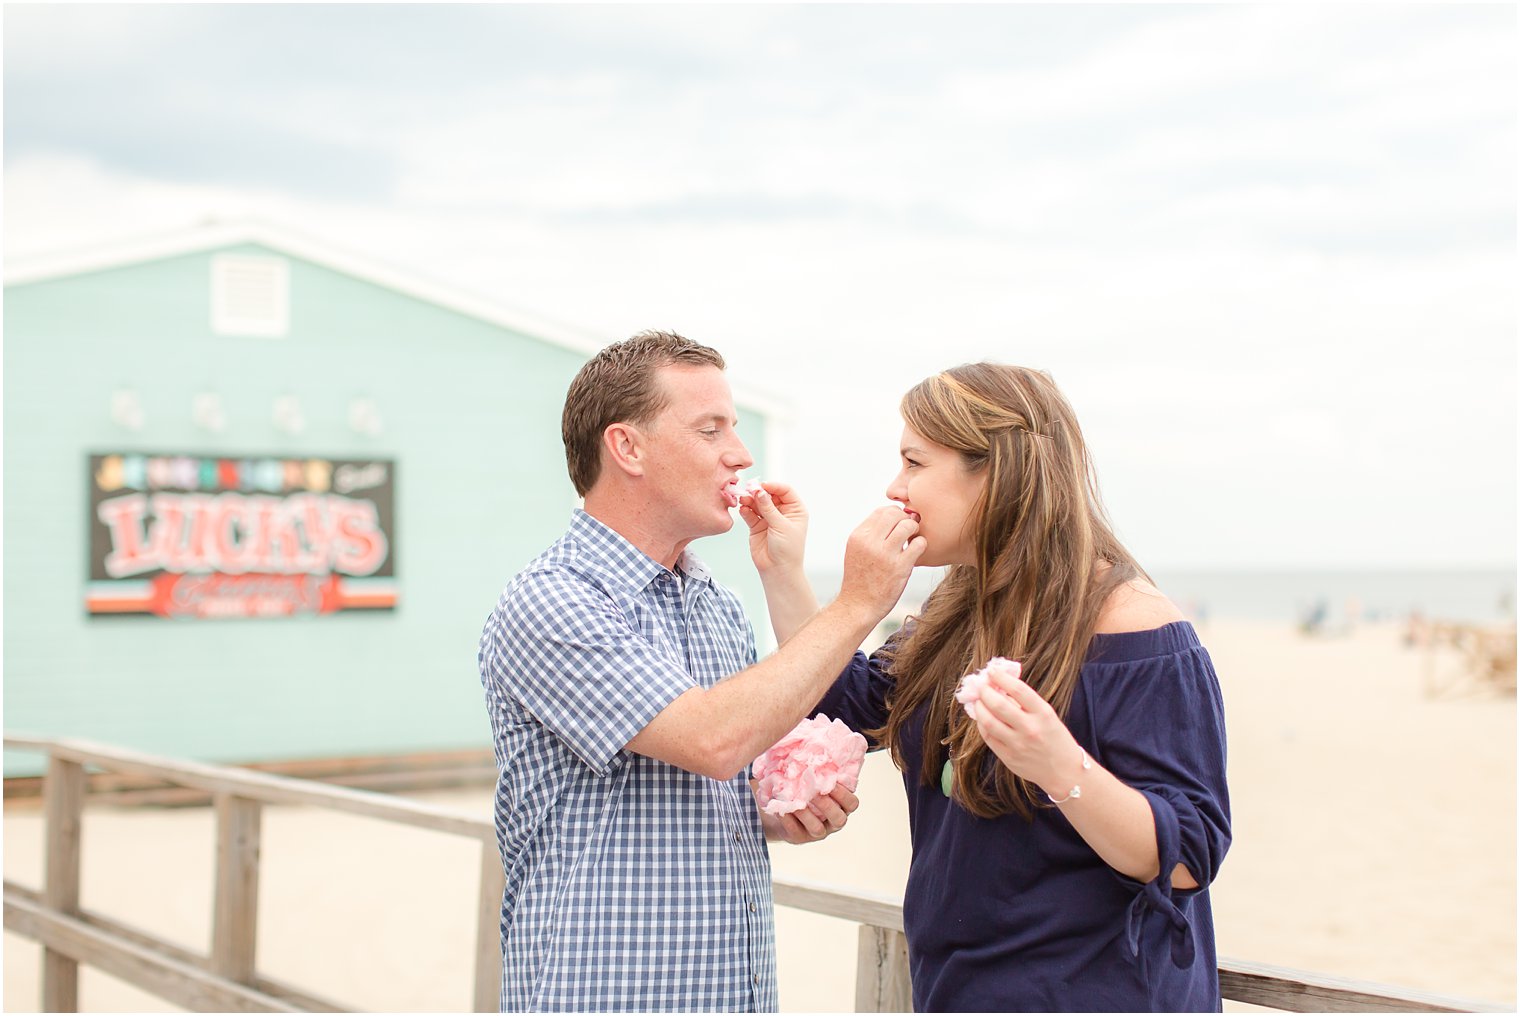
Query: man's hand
[(878, 558), (824, 816), (777, 522), (717, 731)]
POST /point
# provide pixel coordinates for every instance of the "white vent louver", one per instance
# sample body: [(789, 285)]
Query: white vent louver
[(250, 295)]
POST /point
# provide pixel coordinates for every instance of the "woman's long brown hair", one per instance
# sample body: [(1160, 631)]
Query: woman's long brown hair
[(1037, 588)]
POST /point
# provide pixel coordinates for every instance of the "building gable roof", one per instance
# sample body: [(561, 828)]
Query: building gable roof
[(218, 235)]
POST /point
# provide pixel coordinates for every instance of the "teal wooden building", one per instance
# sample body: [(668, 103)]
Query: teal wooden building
[(261, 494)]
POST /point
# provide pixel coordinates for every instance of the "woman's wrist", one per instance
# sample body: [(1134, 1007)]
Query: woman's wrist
[(1067, 783)]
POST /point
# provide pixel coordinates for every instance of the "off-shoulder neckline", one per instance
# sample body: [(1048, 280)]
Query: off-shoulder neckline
[(1170, 638)]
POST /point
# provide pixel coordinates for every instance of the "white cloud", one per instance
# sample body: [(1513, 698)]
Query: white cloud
[(1268, 250), (64, 38)]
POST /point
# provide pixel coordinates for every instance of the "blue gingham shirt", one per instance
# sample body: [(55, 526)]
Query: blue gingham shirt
[(630, 884)]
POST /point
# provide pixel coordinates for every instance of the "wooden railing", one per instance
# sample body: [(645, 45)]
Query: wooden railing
[(227, 979)]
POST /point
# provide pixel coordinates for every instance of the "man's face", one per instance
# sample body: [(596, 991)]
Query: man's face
[(694, 450)]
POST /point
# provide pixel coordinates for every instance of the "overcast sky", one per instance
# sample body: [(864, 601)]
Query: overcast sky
[(1269, 252)]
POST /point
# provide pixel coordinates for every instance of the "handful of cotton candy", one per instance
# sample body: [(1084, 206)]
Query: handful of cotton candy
[(818, 755), (973, 686), (731, 491)]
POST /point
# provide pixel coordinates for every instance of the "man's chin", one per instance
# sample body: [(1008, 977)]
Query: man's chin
[(711, 525), (721, 523)]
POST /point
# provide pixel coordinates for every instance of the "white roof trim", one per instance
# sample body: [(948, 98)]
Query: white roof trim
[(224, 234)]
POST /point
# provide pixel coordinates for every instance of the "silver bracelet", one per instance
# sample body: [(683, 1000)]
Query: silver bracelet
[(1076, 790)]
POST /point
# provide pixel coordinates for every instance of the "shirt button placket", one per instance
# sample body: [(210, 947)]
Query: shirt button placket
[(754, 959)]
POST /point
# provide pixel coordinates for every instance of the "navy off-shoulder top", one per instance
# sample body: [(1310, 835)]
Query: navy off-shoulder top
[(1009, 915)]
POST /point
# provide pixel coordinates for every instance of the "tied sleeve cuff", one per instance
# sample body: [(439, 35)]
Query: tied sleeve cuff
[(1156, 895)]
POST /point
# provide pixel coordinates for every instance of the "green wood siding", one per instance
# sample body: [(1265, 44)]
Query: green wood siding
[(471, 418)]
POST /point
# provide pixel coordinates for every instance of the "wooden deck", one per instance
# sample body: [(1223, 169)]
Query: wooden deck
[(227, 979)]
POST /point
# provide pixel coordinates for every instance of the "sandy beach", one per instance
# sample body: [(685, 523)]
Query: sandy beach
[(1374, 839)]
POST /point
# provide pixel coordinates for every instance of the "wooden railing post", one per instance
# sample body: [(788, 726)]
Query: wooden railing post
[(63, 809), (488, 929), (883, 982), (235, 922)]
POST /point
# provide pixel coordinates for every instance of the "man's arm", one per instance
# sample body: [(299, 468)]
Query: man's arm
[(718, 731)]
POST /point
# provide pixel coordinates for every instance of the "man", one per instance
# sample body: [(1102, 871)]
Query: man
[(627, 703)]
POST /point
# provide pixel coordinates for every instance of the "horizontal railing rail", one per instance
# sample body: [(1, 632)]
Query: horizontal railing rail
[(226, 979), (470, 768), (266, 788)]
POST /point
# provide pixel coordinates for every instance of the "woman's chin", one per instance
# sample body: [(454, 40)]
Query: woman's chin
[(937, 559)]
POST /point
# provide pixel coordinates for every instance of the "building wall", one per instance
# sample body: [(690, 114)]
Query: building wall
[(471, 419)]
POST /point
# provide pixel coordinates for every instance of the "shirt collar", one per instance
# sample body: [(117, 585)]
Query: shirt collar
[(692, 566), (624, 566)]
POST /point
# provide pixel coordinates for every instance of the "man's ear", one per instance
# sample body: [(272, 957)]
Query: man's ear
[(624, 445)]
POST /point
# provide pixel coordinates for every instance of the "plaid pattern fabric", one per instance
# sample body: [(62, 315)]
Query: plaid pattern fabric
[(631, 885)]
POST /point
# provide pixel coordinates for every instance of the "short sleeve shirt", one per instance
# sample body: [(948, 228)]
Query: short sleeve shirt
[(631, 885)]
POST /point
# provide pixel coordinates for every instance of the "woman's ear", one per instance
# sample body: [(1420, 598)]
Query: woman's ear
[(624, 445)]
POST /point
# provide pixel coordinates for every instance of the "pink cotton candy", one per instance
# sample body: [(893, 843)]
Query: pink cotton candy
[(818, 755), (973, 686), (732, 490)]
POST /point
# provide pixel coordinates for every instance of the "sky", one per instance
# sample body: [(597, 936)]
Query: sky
[(1268, 251)]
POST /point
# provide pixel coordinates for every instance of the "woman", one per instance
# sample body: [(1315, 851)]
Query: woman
[(1065, 833)]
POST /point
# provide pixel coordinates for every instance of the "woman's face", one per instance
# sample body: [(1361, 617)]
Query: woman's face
[(936, 488)]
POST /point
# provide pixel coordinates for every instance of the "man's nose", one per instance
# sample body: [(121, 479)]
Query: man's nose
[(738, 456)]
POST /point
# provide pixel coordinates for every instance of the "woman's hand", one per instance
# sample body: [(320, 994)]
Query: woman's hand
[(777, 522), (1025, 733)]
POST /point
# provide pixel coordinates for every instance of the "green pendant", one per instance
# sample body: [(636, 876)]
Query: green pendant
[(947, 778)]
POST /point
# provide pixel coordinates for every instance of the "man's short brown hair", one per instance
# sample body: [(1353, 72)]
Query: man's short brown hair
[(621, 385)]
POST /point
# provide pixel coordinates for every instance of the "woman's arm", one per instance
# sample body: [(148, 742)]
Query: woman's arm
[(1116, 820)]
